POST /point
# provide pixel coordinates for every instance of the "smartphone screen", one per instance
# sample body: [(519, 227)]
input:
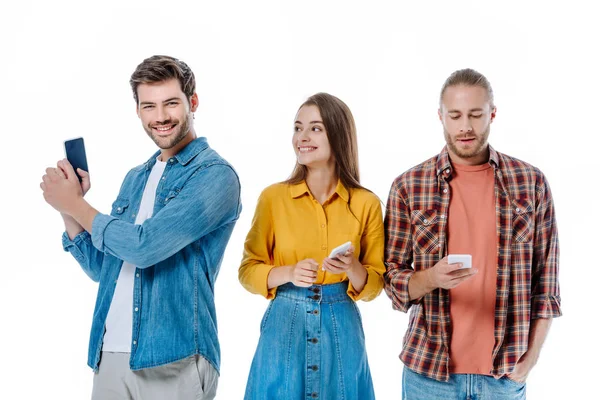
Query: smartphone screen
[(75, 152)]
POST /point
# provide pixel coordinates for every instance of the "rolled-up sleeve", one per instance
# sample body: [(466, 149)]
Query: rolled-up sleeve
[(257, 261), (208, 200), (371, 257), (81, 248), (398, 250), (545, 296)]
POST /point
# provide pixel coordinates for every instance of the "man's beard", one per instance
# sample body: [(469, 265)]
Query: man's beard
[(480, 145), (182, 131)]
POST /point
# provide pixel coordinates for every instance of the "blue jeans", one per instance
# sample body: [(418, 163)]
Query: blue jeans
[(460, 387), (311, 346)]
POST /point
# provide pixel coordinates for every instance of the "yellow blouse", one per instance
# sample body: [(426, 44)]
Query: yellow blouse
[(290, 225)]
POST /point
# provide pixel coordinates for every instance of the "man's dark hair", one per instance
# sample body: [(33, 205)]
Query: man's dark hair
[(160, 69)]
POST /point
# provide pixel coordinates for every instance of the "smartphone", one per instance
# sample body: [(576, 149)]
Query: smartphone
[(75, 153), (341, 249), (466, 259)]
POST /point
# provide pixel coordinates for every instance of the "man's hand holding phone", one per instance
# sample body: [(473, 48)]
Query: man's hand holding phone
[(448, 276)]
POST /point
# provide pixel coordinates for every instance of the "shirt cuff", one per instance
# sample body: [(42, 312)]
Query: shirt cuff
[(99, 225), (545, 306), (371, 289), (396, 288), (259, 281), (72, 246)]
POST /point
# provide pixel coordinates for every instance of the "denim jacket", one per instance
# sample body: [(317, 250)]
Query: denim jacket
[(178, 253)]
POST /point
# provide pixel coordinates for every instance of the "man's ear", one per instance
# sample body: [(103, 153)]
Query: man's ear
[(493, 114), (194, 102)]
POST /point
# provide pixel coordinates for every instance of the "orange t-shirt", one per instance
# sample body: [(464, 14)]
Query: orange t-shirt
[(472, 230)]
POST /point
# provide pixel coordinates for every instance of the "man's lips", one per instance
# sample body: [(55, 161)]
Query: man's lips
[(164, 130)]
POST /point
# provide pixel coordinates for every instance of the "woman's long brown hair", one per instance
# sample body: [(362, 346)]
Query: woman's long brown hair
[(341, 133)]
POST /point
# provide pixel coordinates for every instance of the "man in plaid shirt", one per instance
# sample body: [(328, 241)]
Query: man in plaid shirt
[(473, 332)]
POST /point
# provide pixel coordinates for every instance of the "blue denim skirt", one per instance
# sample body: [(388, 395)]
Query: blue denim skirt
[(312, 346)]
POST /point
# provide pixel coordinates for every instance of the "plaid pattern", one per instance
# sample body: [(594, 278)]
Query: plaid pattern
[(527, 286)]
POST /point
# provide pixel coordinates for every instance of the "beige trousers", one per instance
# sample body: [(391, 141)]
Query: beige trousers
[(192, 378)]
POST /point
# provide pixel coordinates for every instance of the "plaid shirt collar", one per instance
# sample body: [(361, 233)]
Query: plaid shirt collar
[(444, 165)]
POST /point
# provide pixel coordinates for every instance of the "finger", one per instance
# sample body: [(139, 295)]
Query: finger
[(457, 281), (450, 268), (307, 274), (336, 263), (308, 281), (43, 186), (68, 168), (85, 176), (463, 272), (60, 173), (46, 179), (350, 251), (309, 266), (346, 259)]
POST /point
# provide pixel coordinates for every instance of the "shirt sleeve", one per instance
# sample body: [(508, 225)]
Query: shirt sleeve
[(257, 261), (209, 200), (81, 248), (371, 256), (398, 250), (544, 281)]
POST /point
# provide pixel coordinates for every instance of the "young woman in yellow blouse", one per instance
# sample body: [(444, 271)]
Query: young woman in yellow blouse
[(312, 343)]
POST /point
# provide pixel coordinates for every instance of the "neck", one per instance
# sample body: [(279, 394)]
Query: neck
[(321, 182), (478, 159), (165, 154)]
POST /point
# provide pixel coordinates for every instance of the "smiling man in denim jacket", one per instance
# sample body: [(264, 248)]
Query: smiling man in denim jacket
[(157, 256)]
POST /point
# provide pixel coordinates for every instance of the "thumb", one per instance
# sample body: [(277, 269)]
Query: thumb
[(83, 174), (68, 168)]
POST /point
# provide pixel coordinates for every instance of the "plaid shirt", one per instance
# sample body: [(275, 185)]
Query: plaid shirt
[(416, 239)]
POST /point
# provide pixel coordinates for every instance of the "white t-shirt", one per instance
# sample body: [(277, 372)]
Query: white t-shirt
[(119, 321)]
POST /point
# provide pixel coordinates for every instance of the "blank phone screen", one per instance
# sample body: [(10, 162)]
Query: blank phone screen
[(75, 151)]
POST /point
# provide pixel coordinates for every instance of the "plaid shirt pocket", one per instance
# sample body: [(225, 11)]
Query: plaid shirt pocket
[(522, 220), (426, 235)]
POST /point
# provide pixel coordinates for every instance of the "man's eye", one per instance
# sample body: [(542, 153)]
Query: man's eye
[(147, 107), (454, 117), (476, 116)]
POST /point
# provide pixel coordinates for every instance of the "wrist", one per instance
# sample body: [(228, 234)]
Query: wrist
[(355, 267), (428, 281), (288, 273)]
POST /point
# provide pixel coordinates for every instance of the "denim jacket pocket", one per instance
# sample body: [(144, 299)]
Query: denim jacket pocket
[(119, 207), (522, 220), (171, 195), (426, 231)]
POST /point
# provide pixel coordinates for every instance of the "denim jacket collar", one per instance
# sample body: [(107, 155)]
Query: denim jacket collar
[(186, 154)]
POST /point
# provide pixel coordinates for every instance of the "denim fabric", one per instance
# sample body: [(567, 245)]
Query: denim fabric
[(312, 345), (460, 387), (178, 253)]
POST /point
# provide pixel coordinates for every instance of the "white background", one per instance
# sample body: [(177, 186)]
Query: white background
[(65, 69)]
